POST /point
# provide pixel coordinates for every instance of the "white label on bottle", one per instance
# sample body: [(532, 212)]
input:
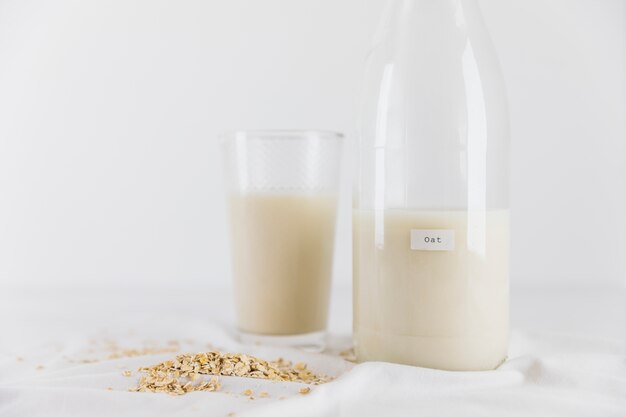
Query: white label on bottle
[(432, 240)]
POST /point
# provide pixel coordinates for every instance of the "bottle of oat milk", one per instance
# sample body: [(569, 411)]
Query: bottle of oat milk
[(431, 212)]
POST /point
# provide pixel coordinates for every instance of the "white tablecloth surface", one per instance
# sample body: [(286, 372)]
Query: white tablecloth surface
[(567, 358)]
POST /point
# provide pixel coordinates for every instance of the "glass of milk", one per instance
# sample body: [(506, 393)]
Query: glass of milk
[(282, 191)]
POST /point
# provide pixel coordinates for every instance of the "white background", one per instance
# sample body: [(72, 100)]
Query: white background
[(109, 110)]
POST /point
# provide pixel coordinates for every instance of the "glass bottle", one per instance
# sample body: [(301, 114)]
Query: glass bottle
[(431, 210)]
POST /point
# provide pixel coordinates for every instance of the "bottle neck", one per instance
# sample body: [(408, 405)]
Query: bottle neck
[(405, 14), (434, 5), (459, 11)]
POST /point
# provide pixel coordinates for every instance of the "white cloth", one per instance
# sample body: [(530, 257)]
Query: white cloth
[(567, 358)]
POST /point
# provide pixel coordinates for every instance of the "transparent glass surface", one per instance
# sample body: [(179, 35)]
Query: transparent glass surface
[(282, 191), (431, 220)]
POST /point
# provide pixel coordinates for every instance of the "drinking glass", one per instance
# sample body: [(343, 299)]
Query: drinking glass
[(282, 191)]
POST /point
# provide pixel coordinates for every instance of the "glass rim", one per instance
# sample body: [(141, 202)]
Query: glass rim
[(292, 134)]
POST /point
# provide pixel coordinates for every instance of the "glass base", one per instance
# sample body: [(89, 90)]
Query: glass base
[(310, 342)]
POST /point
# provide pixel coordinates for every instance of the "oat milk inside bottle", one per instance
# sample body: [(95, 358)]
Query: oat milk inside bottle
[(431, 212)]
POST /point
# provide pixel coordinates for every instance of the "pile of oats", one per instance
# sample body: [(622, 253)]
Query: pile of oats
[(178, 376)]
